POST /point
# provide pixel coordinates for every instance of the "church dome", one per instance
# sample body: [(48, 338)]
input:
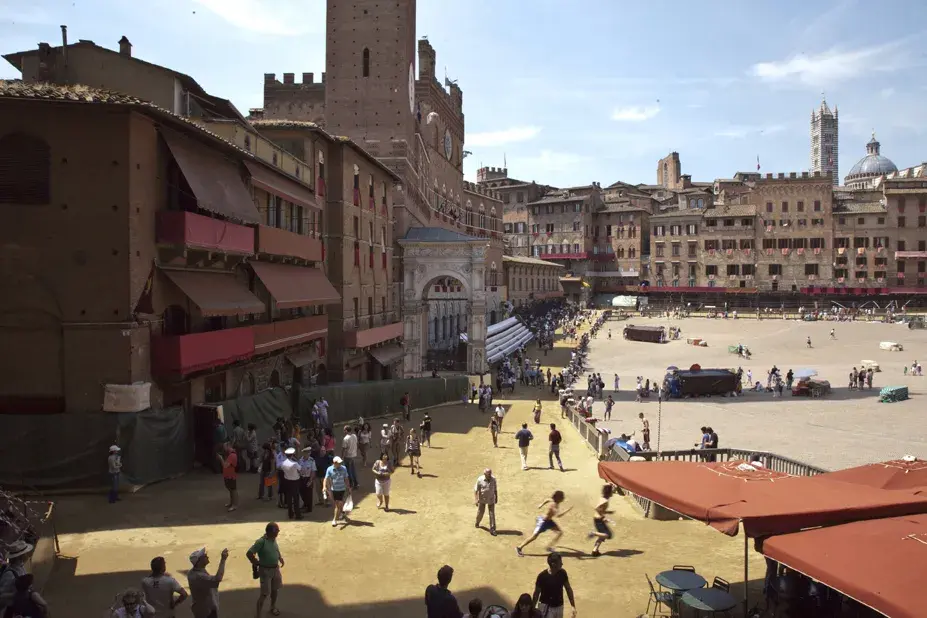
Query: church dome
[(872, 165)]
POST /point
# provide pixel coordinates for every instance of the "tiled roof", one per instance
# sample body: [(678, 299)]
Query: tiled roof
[(557, 199), (436, 234), (17, 89), (685, 212), (529, 261), (862, 208), (305, 124), (732, 210)]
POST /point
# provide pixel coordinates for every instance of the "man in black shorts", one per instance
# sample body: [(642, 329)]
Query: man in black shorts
[(549, 587)]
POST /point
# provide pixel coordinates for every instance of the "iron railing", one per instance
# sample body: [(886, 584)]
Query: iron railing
[(594, 437)]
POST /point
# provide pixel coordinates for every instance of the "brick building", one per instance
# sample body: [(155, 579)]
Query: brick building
[(528, 279), (674, 254), (624, 220), (142, 257), (515, 195), (372, 93), (727, 247)]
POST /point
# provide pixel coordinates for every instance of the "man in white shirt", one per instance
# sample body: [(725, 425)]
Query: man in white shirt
[(349, 454), (160, 590), (500, 414), (290, 469)]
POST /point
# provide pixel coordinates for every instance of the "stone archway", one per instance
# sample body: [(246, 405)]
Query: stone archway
[(447, 318), (431, 257)]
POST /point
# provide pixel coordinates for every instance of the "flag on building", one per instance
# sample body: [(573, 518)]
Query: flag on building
[(145, 302), (757, 162)]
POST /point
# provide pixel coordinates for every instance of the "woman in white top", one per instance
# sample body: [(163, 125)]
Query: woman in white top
[(363, 441), (381, 474), (384, 440)]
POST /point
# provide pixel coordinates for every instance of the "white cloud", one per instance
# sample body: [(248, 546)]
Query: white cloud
[(278, 18), (552, 161), (887, 93), (740, 132), (831, 66), (635, 113), (488, 139)]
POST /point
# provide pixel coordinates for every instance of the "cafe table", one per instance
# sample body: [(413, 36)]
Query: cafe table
[(708, 600), (680, 581)]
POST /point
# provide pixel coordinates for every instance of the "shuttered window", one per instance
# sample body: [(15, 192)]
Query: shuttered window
[(25, 170)]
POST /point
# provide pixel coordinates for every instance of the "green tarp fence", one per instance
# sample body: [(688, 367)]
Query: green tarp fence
[(70, 450), (347, 401), (262, 409)]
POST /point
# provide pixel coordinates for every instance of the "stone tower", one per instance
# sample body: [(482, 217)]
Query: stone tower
[(370, 55), (669, 172), (824, 140)]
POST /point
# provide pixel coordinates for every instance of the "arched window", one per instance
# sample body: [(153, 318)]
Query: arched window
[(701, 203), (665, 174), (366, 62), (25, 170)]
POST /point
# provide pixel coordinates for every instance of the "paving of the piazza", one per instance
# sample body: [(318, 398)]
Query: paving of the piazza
[(380, 565)]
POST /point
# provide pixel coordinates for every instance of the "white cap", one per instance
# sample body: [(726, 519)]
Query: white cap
[(337, 459), (114, 449), (197, 555), (290, 451)]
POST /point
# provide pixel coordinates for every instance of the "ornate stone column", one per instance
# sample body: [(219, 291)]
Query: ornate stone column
[(477, 328)]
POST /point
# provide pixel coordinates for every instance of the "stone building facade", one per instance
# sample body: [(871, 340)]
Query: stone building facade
[(515, 195), (529, 279), (727, 248), (674, 248), (825, 140)]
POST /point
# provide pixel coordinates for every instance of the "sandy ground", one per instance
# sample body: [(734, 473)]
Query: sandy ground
[(847, 428), (380, 564)]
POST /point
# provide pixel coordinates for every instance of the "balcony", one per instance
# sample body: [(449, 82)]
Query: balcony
[(911, 255), (621, 272), (193, 231), (182, 355), (287, 333), (365, 337), (274, 241)]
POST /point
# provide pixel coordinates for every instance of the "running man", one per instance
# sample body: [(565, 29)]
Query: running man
[(602, 532), (547, 522), (833, 335)]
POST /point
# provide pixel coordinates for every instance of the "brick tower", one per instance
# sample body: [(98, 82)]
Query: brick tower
[(370, 70)]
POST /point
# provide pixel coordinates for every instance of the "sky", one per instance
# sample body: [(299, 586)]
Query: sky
[(565, 92)]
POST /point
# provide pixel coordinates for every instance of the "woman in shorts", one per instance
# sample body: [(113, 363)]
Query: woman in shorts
[(363, 441), (381, 474), (547, 521), (414, 451), (602, 532)]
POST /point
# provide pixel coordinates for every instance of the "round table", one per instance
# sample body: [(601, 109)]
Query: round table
[(709, 599), (680, 581)]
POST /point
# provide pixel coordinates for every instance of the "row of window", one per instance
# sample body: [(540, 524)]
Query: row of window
[(370, 319), (799, 206), (531, 284), (550, 209), (728, 222), (861, 242), (690, 229)]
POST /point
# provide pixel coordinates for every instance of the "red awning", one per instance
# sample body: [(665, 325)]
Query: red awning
[(280, 185), (296, 286), (726, 494), (880, 562), (216, 293), (215, 180), (896, 474)]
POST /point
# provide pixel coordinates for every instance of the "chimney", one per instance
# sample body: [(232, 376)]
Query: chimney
[(308, 78), (323, 77), (64, 48), (289, 78), (125, 47), (45, 57), (270, 78)]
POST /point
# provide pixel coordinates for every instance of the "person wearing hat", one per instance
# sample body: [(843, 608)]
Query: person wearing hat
[(307, 473), (290, 469), (16, 555), (204, 588), (26, 601), (338, 484), (133, 605), (425, 426), (114, 465)]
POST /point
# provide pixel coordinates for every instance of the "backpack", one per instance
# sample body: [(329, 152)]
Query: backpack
[(404, 401)]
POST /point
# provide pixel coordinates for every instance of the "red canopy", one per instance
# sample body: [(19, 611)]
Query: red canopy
[(880, 562), (896, 474), (726, 494)]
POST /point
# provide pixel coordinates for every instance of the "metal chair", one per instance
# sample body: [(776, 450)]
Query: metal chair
[(657, 599), (721, 584), (684, 567)]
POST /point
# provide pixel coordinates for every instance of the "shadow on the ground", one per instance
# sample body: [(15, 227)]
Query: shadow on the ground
[(90, 595)]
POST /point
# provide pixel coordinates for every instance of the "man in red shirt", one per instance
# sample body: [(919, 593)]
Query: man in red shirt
[(554, 451), (230, 475)]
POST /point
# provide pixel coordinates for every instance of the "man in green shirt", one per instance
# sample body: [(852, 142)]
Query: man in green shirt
[(267, 561)]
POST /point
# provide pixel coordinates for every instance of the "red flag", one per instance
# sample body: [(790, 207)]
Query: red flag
[(145, 302)]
